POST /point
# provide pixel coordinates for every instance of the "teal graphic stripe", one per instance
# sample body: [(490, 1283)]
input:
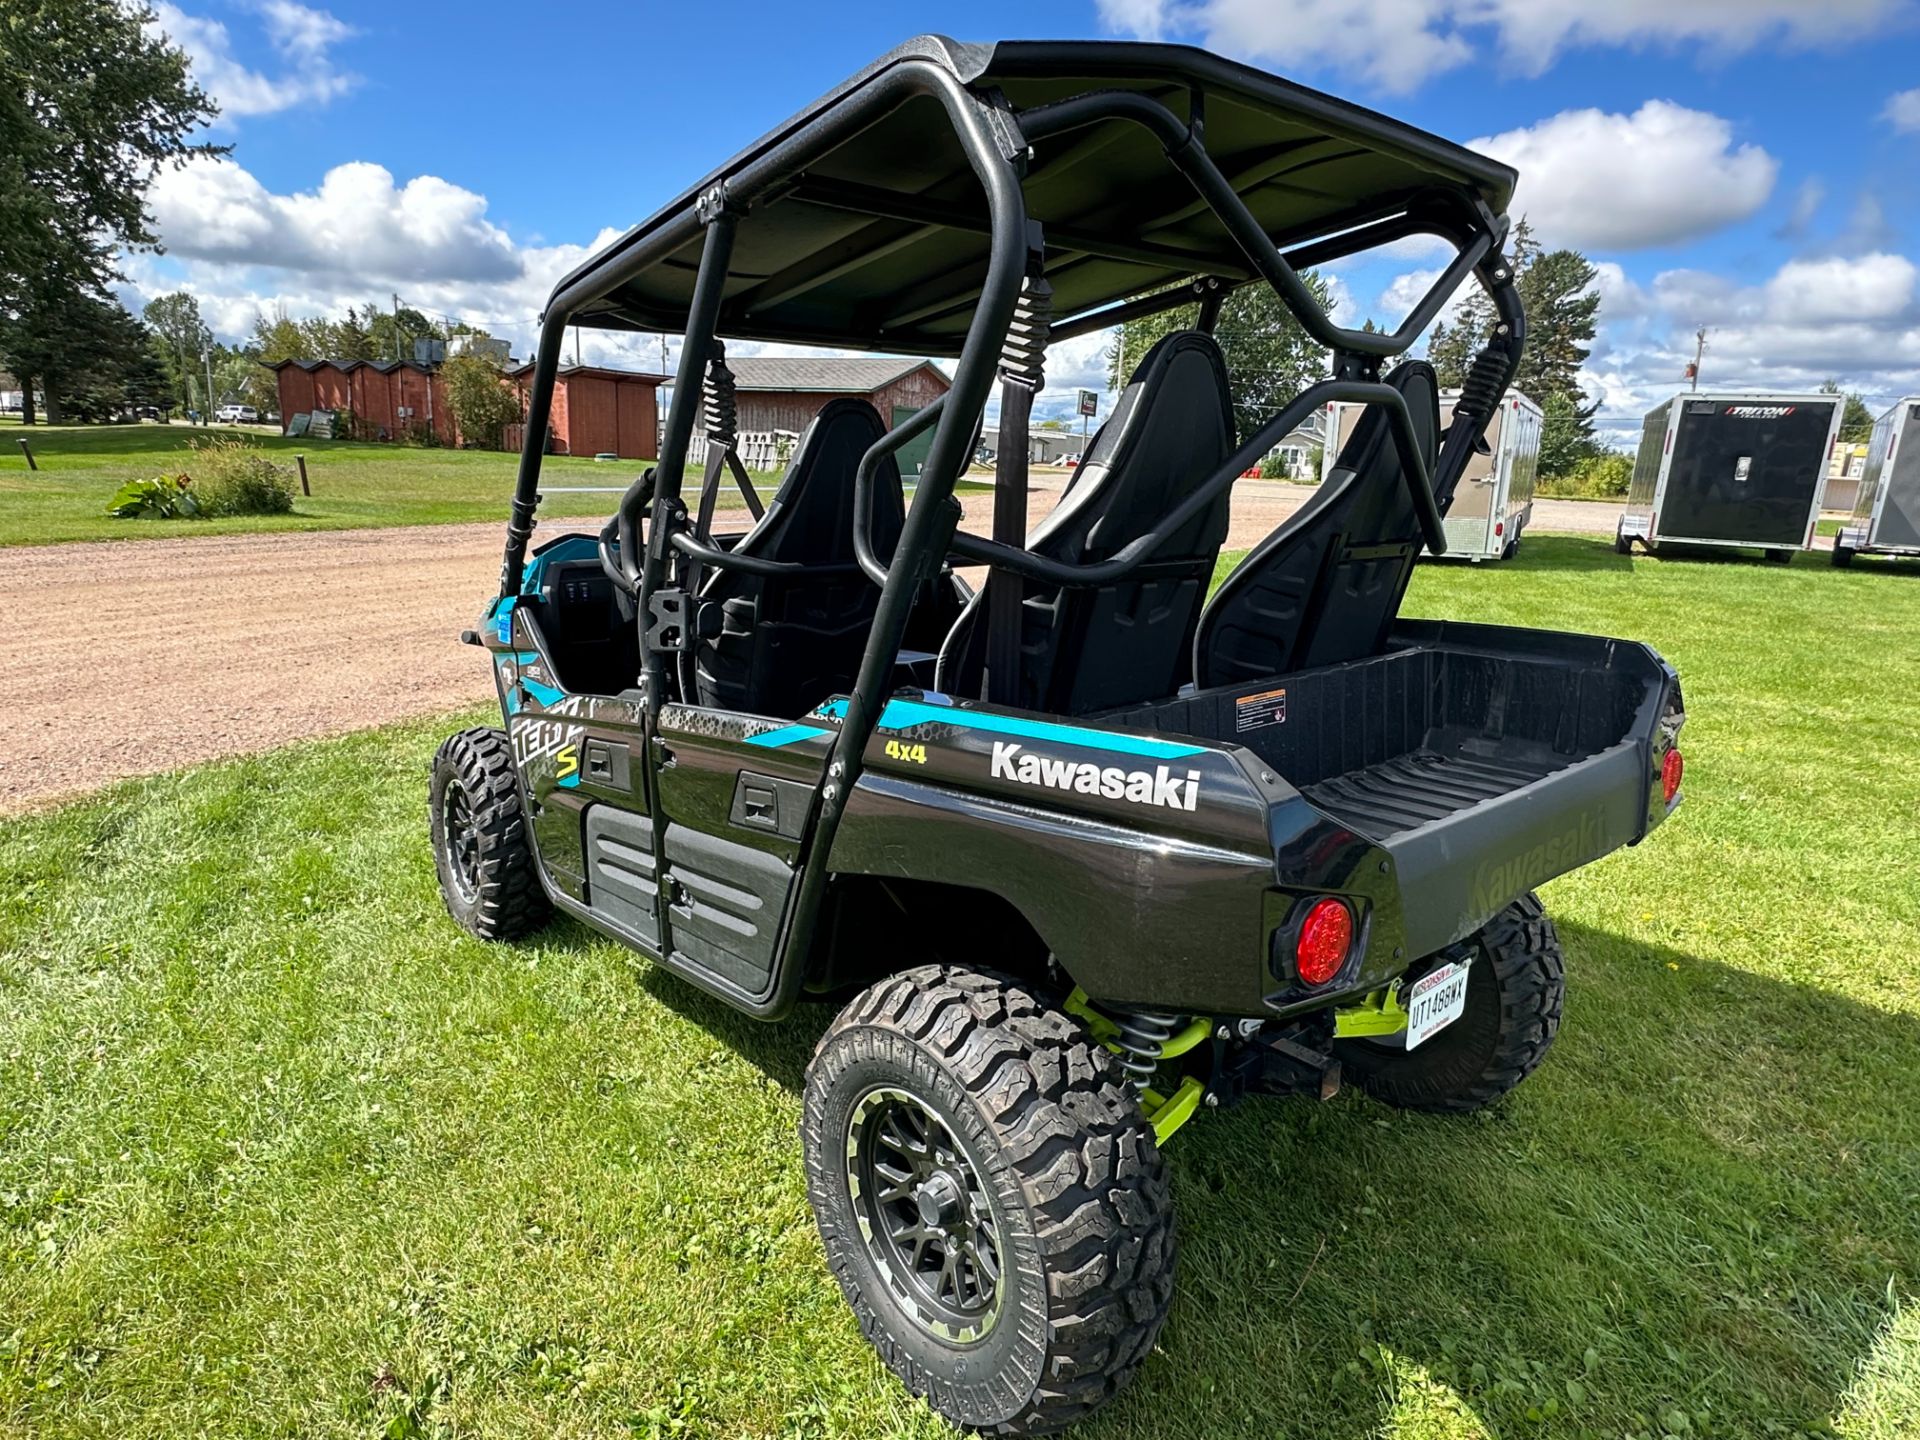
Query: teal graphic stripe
[(905, 714), (786, 735), (545, 694)]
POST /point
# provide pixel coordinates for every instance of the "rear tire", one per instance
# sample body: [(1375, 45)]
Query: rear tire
[(1515, 995), (489, 875), (1031, 1152), (1621, 544), (1779, 557), (1842, 556)]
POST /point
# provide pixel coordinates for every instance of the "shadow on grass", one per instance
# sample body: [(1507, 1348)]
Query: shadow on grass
[(1545, 552), (1689, 1222)]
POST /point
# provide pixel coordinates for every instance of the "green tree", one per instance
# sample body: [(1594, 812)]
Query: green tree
[(1856, 420), (91, 358), (181, 338), (1563, 316), (1566, 435), (1270, 358), (482, 403), (392, 333), (92, 103)]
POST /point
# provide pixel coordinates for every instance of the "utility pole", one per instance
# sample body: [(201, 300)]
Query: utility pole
[(396, 329), (206, 412), (1699, 351)]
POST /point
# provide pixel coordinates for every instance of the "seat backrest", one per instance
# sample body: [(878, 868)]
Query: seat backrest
[(1088, 648), (780, 645), (1325, 587)]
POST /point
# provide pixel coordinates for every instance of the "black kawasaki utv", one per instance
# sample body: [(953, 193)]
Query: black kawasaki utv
[(1088, 849)]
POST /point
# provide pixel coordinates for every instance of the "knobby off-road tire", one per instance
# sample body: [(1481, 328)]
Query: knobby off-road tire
[(1515, 993), (1049, 1143), (489, 875)]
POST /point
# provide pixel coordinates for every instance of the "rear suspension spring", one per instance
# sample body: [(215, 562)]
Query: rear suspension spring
[(719, 405), (1142, 1042)]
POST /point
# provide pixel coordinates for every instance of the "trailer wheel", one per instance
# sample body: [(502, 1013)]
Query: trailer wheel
[(991, 1201), (1842, 556), (489, 875), (1621, 544), (1515, 994), (1779, 557)]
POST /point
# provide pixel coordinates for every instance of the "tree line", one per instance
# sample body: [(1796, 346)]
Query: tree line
[(92, 104)]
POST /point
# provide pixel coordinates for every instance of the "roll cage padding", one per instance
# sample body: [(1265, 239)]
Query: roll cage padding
[(779, 644), (1091, 647), (1326, 585)]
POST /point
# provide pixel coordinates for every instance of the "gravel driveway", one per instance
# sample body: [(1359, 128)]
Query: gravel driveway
[(133, 657)]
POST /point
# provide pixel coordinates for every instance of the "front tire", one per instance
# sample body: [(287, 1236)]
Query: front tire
[(1842, 556), (991, 1201), (1515, 995), (489, 875)]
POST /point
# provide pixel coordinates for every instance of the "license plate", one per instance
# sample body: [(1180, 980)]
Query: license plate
[(1438, 999)]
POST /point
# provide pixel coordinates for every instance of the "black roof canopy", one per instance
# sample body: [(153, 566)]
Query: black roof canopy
[(882, 243)]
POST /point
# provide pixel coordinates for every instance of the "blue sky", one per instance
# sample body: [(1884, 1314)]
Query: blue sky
[(1744, 164)]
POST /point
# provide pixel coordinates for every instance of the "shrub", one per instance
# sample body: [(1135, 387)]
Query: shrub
[(159, 497), (1602, 476), (482, 404), (232, 477)]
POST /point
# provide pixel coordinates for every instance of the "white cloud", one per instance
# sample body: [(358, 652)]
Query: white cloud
[(1596, 180), (1856, 320), (1397, 44), (303, 37), (1836, 292), (1903, 112), (359, 224)]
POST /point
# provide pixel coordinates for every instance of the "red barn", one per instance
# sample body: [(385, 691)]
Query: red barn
[(373, 392), (782, 393), (599, 411)]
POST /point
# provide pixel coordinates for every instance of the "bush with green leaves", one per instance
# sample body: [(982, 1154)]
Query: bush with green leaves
[(157, 497), (233, 477), (1604, 475)]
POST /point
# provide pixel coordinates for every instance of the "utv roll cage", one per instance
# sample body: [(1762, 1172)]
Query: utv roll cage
[(1037, 191)]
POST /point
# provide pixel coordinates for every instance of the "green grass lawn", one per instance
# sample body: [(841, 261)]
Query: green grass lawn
[(282, 1153), (354, 484)]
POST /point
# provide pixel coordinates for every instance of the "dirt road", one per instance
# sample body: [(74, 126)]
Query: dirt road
[(134, 657)]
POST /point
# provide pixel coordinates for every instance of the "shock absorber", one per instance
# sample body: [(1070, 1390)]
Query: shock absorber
[(1142, 1042), (719, 405)]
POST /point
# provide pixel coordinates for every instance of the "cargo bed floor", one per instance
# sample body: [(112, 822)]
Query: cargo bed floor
[(1418, 788)]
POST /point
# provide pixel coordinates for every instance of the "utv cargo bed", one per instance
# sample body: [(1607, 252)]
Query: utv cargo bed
[(1486, 760)]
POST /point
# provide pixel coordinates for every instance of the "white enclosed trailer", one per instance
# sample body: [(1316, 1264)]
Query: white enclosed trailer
[(1886, 513), (1494, 500)]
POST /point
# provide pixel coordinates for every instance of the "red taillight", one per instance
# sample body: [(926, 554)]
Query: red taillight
[(1326, 935), (1671, 770), (1499, 527)]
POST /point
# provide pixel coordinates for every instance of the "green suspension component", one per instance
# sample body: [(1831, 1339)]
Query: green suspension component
[(1165, 1113), (1378, 1013)]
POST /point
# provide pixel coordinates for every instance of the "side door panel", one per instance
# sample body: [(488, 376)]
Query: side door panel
[(731, 810)]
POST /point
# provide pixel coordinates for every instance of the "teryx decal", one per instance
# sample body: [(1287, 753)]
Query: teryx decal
[(1159, 786)]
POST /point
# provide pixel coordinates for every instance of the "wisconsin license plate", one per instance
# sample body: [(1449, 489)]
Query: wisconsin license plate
[(1438, 999)]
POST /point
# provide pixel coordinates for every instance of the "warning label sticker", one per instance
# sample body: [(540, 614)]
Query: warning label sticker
[(1254, 712)]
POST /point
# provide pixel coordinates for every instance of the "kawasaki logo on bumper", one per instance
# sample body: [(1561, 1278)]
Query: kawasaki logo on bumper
[(1159, 786)]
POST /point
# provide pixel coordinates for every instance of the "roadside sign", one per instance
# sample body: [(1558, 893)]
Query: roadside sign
[(1089, 402)]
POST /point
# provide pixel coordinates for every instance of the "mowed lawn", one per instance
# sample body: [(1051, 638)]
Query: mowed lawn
[(282, 1153), (354, 484)]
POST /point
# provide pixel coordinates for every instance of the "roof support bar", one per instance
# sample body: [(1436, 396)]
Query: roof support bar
[(1186, 150)]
